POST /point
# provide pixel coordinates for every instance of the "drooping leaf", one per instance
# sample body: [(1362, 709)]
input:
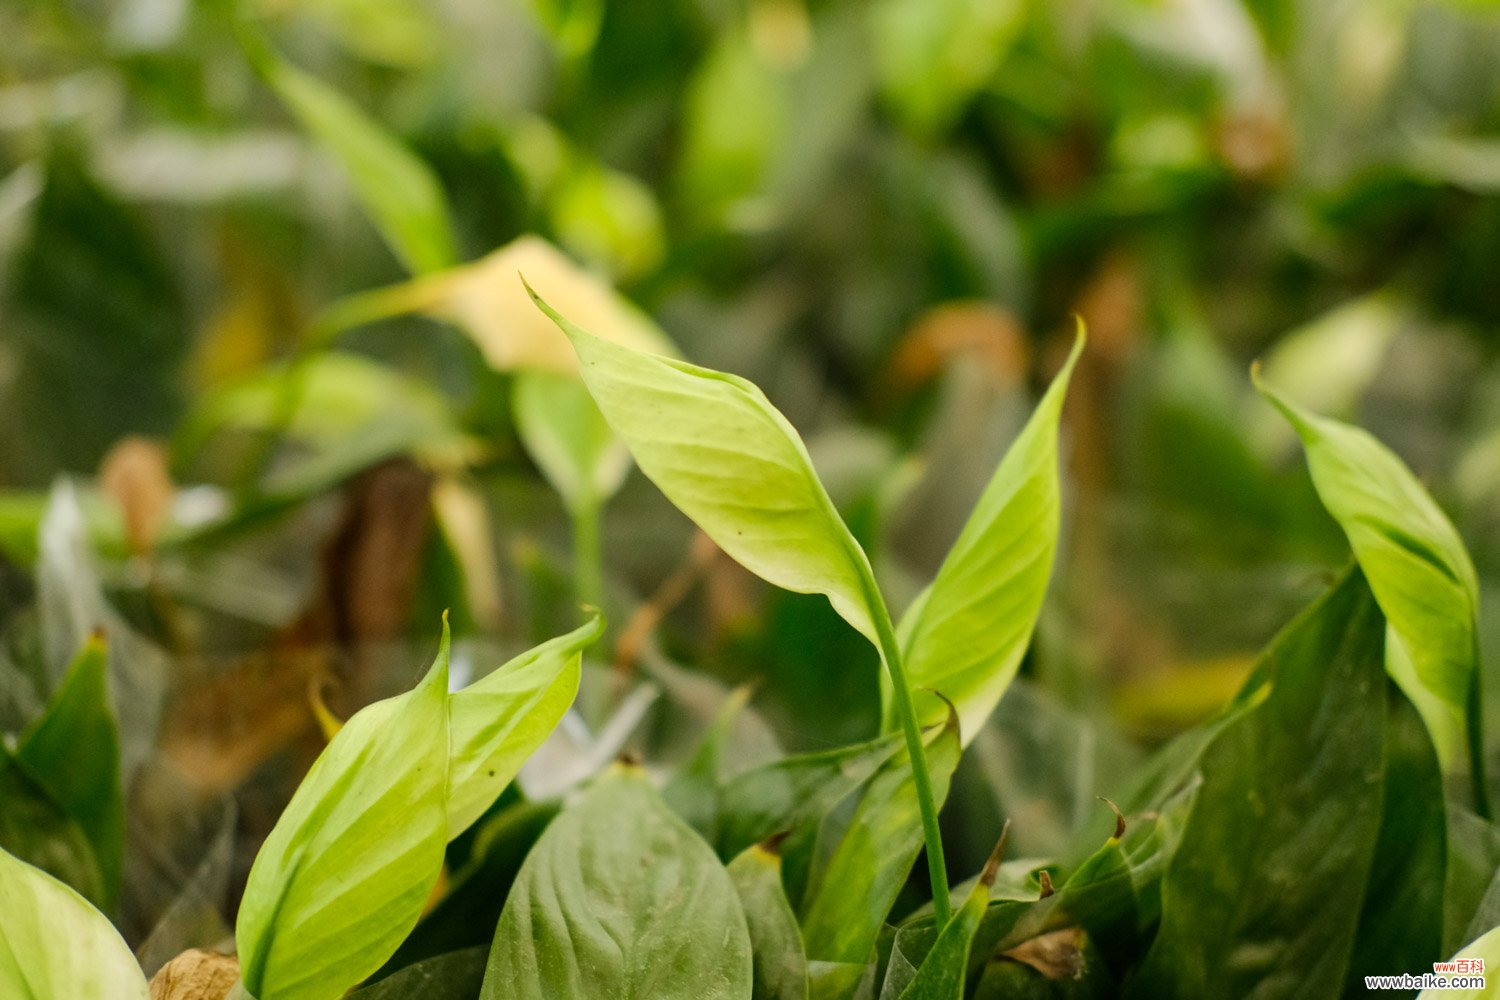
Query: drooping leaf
[(1416, 564), (618, 899), (399, 190), (53, 944), (73, 751), (1265, 891), (499, 720), (734, 464), (965, 635), (345, 874), (775, 939), (863, 858)]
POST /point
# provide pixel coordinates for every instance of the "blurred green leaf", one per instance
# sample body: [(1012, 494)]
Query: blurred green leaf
[(56, 944), (73, 751), (965, 635), (1265, 891), (39, 831), (567, 437), (349, 867), (621, 898), (775, 939), (934, 55)]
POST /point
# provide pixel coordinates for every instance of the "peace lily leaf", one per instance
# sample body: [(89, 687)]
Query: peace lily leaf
[(1486, 949), (863, 861), (693, 792), (966, 634), (345, 874), (399, 190), (943, 971), (53, 944), (73, 752), (620, 898), (566, 435), (37, 830), (499, 720), (449, 976), (1416, 564), (780, 963), (1265, 891), (732, 463)]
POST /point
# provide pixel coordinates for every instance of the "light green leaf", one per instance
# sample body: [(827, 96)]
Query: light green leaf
[(498, 721), (1486, 949), (966, 634), (620, 898), (53, 944), (567, 437), (1417, 566), (73, 751), (733, 463), (780, 962), (399, 190), (934, 55), (864, 857), (343, 877)]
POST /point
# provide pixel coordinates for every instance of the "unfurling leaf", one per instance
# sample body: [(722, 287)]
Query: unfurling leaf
[(500, 720), (53, 944), (343, 877), (1416, 565), (966, 634), (620, 898)]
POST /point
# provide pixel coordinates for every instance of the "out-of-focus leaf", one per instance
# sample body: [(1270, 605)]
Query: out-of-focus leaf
[(693, 791), (565, 434), (732, 462), (863, 859), (194, 917), (500, 720), (621, 898), (934, 55), (780, 963), (53, 944), (455, 975), (346, 872), (1265, 891), (40, 832), (398, 189), (1419, 570), (73, 751), (965, 635), (610, 219), (73, 608)]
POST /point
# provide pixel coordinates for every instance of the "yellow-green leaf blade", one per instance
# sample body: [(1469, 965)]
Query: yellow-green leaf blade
[(498, 721), (966, 634), (1416, 565), (53, 944), (346, 872), (733, 463)]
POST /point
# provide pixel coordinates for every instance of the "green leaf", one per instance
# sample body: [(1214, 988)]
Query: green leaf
[(53, 944), (945, 967), (780, 962), (567, 437), (864, 858), (966, 634), (693, 792), (455, 975), (733, 463), (620, 898), (1486, 948), (934, 55), (1417, 566), (73, 751), (350, 865), (1265, 891), (498, 721), (34, 828), (399, 191)]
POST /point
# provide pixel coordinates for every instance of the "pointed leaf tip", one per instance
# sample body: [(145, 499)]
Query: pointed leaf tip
[(992, 866)]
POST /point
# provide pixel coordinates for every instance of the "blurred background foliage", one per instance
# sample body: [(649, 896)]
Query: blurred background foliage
[(884, 213)]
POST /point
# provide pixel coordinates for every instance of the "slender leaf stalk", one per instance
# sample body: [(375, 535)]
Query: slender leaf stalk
[(588, 559), (890, 652)]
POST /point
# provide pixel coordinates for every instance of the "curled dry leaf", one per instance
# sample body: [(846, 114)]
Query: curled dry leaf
[(196, 974), (1058, 955)]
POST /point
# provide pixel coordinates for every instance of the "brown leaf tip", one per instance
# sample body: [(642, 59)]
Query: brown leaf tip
[(1045, 878), (1119, 817), (992, 866)]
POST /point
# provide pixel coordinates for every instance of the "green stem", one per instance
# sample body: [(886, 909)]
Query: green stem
[(588, 559), (890, 652)]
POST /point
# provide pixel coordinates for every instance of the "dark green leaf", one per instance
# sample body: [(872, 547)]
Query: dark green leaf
[(780, 962)]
